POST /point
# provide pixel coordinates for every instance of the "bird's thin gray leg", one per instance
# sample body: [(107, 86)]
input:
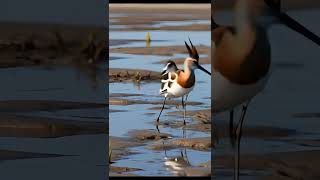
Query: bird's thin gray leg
[(164, 102), (238, 134), (185, 110), (231, 130), (165, 151)]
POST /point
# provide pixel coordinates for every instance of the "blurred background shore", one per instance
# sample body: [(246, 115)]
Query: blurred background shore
[(53, 110)]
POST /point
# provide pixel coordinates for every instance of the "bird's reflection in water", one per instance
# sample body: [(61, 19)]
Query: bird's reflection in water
[(137, 85), (183, 128), (148, 43), (178, 163)]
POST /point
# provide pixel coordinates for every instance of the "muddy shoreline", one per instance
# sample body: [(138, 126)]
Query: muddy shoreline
[(51, 44), (154, 141)]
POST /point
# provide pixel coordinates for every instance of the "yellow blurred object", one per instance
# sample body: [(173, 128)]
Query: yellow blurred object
[(137, 77), (148, 38)]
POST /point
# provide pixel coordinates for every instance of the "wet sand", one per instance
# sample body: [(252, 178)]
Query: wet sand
[(159, 12), (136, 138), (136, 18), (132, 75), (122, 101), (118, 148), (40, 132), (42, 127), (147, 15), (20, 45), (283, 165)]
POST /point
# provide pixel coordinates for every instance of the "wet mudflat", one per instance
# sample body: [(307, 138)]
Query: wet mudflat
[(136, 147), (52, 102)]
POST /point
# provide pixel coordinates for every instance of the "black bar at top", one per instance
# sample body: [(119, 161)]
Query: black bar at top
[(159, 1)]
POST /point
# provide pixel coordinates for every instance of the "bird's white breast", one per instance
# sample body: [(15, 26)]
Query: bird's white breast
[(227, 95), (177, 91)]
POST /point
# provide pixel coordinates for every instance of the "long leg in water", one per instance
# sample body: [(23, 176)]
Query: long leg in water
[(231, 129), (185, 110), (164, 102), (238, 135), (184, 105)]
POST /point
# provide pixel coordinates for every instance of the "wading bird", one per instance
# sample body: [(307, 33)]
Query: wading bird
[(179, 83), (242, 58)]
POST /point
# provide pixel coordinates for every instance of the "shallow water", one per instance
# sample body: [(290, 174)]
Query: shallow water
[(180, 23), (152, 162), (52, 83), (85, 158), (134, 61), (158, 24), (85, 154), (162, 38)]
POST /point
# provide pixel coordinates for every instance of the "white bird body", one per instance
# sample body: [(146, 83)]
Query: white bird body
[(175, 90), (250, 76), (179, 83), (227, 95)]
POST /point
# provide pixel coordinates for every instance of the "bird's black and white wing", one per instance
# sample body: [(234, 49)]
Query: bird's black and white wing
[(167, 79)]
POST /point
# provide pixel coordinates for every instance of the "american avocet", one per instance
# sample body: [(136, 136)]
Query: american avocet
[(179, 83), (241, 61)]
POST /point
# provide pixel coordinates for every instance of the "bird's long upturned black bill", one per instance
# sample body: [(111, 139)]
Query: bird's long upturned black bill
[(296, 26), (203, 69)]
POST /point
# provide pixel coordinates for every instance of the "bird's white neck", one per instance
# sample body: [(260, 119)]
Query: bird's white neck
[(187, 68)]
